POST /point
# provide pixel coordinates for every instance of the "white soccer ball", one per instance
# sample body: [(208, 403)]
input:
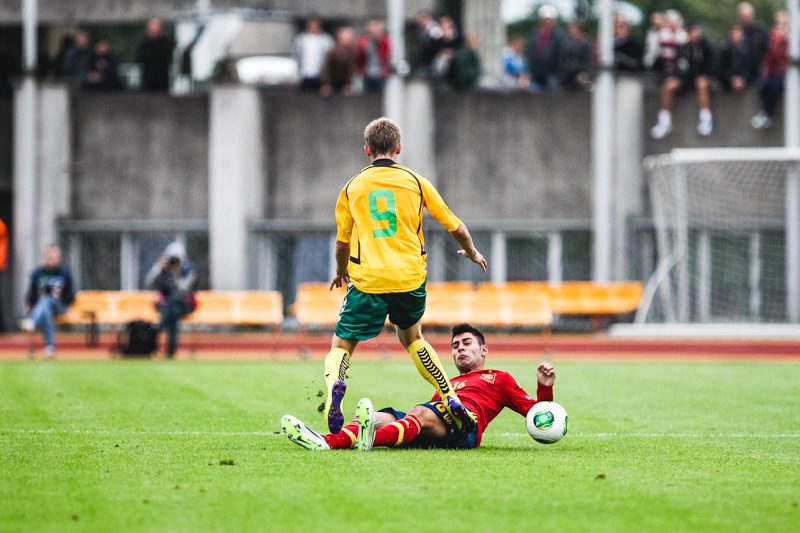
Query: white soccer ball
[(547, 422)]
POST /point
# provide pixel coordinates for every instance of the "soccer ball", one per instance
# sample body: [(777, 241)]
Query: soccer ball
[(547, 422)]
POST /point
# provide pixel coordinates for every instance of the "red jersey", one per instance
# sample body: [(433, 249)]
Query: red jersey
[(486, 392)]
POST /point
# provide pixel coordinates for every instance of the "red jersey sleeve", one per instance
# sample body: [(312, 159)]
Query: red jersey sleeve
[(520, 401)]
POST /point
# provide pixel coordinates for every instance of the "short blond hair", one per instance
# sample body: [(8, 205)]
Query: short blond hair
[(382, 136)]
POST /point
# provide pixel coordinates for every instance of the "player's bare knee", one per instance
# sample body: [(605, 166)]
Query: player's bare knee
[(383, 419), (425, 416)]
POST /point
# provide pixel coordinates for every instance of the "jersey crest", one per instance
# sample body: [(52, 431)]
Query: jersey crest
[(489, 377)]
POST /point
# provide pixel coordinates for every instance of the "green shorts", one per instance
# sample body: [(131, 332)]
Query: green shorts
[(363, 315)]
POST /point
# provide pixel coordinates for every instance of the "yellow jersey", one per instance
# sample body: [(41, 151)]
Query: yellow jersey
[(379, 213)]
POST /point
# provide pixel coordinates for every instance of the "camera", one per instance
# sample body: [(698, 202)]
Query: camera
[(174, 261)]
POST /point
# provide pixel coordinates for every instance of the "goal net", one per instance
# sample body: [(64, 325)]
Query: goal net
[(727, 237)]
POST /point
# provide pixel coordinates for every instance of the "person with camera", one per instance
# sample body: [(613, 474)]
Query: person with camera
[(174, 277), (49, 294)]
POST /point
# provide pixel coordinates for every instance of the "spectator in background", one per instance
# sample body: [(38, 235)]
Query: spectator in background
[(576, 58), (103, 70), (734, 61), (155, 56), (755, 38), (465, 68), (651, 40), (694, 68), (544, 50), (58, 61), (75, 65), (341, 64), (49, 294), (444, 47), (515, 72), (670, 39), (773, 72), (173, 276), (374, 56), (428, 31), (310, 49), (627, 48)]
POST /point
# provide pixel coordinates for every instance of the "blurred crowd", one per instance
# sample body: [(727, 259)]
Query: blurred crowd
[(551, 56), (352, 62), (96, 66), (677, 54)]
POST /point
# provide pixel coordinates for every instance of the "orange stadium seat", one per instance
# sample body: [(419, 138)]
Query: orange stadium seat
[(448, 307), (91, 307), (137, 305), (530, 309), (491, 308), (260, 308), (212, 308), (317, 305)]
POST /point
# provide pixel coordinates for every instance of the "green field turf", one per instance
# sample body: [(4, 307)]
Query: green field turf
[(121, 446)]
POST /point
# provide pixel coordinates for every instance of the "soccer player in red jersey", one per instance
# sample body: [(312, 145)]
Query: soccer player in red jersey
[(429, 425)]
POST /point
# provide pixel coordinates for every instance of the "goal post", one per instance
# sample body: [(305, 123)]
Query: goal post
[(727, 225)]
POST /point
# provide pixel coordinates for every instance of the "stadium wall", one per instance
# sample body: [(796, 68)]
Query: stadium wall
[(515, 156), (314, 146), (494, 156), (732, 113), (140, 156)]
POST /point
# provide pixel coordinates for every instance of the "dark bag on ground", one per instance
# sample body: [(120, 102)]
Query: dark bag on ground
[(139, 339)]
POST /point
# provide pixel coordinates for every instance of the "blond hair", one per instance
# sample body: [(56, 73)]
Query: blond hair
[(382, 136)]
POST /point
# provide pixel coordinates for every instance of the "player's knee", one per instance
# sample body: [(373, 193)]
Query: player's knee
[(424, 415)]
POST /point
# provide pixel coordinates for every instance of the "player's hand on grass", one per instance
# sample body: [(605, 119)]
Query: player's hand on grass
[(546, 374), (476, 257), (341, 280)]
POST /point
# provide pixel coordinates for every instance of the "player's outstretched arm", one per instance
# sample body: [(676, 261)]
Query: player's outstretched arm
[(342, 278), (546, 374), (468, 250)]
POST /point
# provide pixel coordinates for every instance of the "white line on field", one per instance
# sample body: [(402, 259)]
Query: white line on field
[(679, 435), (125, 432)]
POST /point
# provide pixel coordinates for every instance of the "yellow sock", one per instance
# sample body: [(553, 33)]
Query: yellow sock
[(429, 366), (336, 364)]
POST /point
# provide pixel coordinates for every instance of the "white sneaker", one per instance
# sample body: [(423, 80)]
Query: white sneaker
[(302, 435), (660, 130), (705, 127), (49, 352), (365, 414), (27, 325), (761, 121)]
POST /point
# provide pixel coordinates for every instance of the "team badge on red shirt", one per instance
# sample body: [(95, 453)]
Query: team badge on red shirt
[(489, 377)]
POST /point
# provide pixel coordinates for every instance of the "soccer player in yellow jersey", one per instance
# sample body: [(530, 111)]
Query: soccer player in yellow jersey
[(380, 256)]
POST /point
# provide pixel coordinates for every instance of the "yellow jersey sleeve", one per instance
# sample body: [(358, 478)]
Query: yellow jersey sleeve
[(344, 218), (436, 206)]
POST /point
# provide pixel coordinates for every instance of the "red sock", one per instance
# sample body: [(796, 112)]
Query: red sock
[(397, 433), (346, 438)]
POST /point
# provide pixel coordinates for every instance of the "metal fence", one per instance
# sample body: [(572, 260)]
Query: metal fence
[(116, 255)]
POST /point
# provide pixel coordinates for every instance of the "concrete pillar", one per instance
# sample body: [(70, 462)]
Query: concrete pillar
[(419, 129), (483, 18), (629, 192), (55, 158), (42, 190), (26, 179), (236, 181)]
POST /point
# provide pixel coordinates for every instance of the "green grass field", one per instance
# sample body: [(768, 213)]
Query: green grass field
[(121, 446)]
